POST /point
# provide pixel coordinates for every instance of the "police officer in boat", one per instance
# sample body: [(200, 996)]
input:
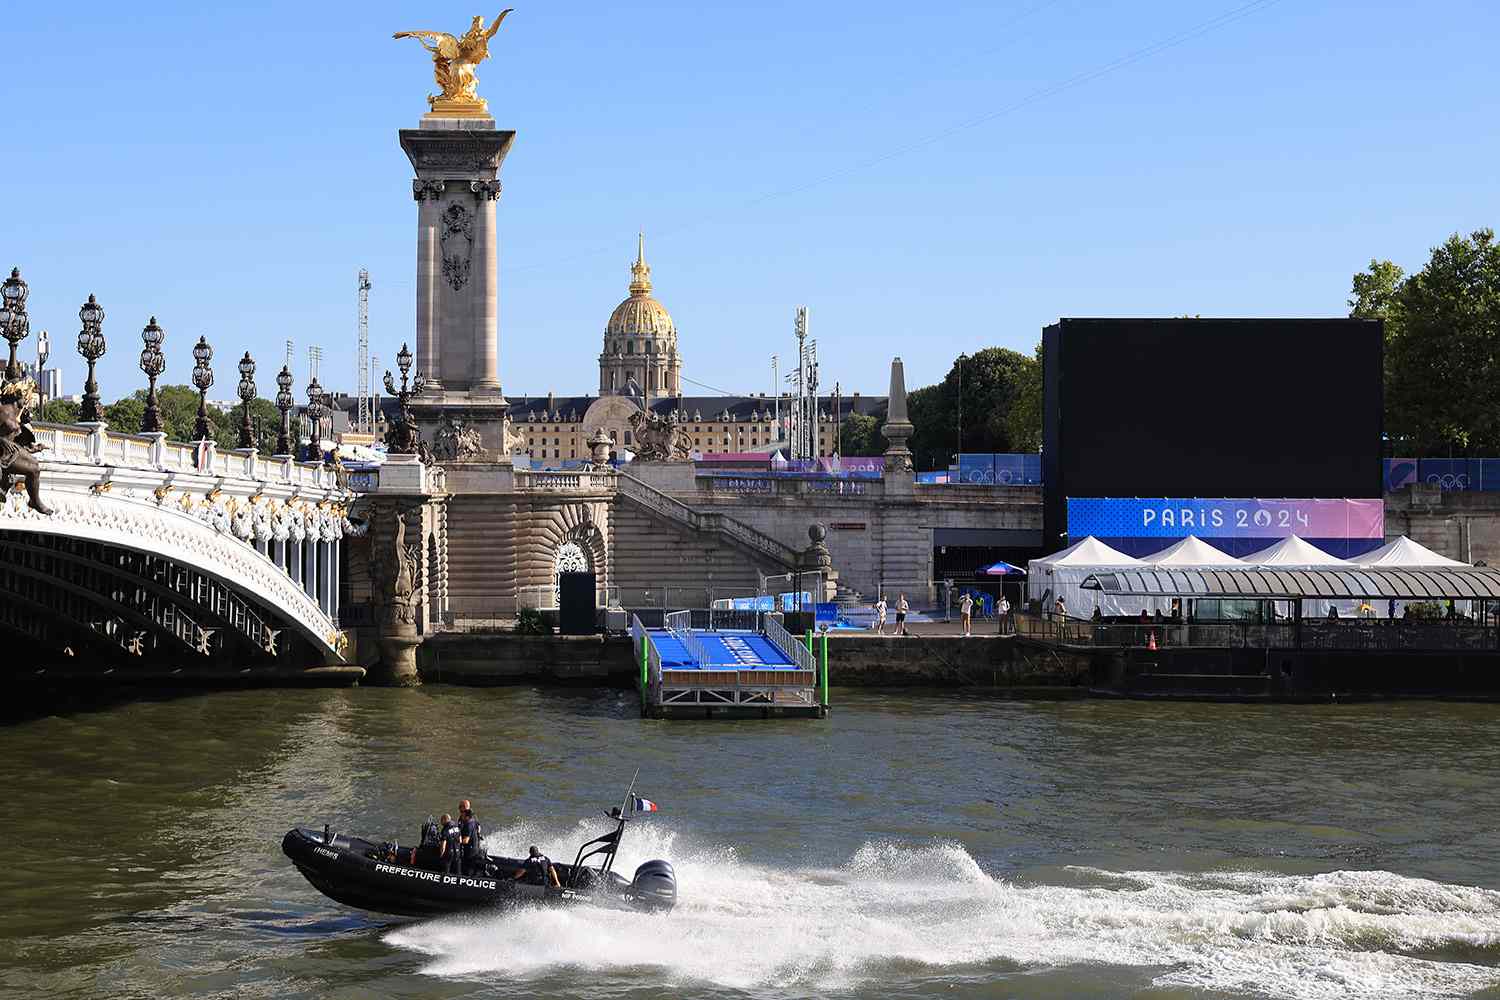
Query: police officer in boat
[(539, 869), (472, 861), (450, 847)]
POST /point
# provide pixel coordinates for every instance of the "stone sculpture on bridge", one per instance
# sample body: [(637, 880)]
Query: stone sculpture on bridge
[(457, 441), (658, 439), (17, 444)]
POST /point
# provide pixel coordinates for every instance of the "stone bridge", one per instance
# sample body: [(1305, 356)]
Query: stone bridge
[(172, 560)]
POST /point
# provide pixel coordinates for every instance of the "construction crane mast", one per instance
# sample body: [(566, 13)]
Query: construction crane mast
[(366, 422), (803, 434)]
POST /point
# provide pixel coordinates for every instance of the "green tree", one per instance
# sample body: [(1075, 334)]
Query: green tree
[(1442, 345), (59, 411), (1374, 290), (993, 382), (859, 436), (125, 414), (1024, 421)]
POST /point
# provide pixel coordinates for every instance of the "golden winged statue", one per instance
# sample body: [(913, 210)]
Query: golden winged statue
[(453, 63)]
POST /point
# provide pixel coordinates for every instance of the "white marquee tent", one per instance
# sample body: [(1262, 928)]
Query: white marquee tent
[(1293, 552), (1405, 552), (1060, 575), (1192, 551)]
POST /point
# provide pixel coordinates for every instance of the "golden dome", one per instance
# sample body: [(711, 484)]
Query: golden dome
[(640, 315)]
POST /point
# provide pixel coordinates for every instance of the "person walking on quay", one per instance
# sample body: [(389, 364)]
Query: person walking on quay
[(1003, 610), (901, 609), (966, 611), (880, 616)]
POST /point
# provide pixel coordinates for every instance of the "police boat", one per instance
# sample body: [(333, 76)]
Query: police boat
[(387, 878)]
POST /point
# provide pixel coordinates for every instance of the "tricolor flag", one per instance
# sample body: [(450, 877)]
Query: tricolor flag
[(645, 805)]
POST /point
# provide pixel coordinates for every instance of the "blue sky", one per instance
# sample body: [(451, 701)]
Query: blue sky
[(230, 170)]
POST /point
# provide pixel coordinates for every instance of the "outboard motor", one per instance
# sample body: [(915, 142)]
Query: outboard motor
[(655, 886)]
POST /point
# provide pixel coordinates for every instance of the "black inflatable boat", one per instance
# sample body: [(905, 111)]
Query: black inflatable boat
[(388, 878)]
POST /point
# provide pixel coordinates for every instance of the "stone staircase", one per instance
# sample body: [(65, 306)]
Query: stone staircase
[(737, 533)]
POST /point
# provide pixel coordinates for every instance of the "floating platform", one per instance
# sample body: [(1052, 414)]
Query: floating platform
[(689, 673)]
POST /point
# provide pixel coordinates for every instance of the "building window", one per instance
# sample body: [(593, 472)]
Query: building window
[(573, 453), (627, 433), (555, 453), (629, 347)]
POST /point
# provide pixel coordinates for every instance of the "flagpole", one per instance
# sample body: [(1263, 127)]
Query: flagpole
[(628, 791)]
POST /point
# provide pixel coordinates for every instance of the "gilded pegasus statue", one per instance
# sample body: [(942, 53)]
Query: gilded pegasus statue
[(454, 61)]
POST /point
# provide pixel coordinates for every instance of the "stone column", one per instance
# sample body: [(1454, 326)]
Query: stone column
[(486, 287), (899, 476), (335, 551), (429, 345), (294, 561), (323, 577), (457, 163)]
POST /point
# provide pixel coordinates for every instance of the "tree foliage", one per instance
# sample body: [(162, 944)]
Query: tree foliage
[(995, 382), (179, 417), (859, 436), (1442, 346)]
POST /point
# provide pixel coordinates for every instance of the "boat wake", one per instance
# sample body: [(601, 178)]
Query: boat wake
[(894, 912)]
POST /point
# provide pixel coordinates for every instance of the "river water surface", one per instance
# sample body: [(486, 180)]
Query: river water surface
[(909, 846)]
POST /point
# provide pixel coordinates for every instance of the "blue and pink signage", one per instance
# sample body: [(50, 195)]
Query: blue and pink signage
[(1140, 526)]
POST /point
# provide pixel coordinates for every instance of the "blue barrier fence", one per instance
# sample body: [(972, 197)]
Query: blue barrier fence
[(1000, 470), (1481, 474)]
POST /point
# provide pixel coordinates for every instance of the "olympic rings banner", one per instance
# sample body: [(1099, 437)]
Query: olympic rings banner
[(1259, 521)]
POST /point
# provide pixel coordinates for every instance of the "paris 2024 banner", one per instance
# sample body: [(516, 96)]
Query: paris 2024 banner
[(1139, 526)]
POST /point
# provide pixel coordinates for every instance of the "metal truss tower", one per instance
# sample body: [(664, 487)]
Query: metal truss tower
[(366, 421)]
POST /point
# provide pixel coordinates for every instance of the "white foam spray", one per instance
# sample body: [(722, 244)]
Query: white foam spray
[(896, 911)]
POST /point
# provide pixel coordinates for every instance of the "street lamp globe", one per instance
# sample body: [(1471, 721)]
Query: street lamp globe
[(91, 346), (153, 363)]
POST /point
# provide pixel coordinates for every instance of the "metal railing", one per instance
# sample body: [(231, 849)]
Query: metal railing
[(704, 521), (677, 621), (1340, 634), (783, 640)]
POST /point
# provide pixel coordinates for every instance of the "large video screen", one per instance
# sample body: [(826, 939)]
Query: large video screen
[(1210, 408)]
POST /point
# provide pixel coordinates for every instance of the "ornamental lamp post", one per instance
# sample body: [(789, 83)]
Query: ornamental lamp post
[(203, 377), (14, 323), (961, 359), (315, 412), (284, 403), (92, 346), (404, 439), (247, 393), (153, 363)]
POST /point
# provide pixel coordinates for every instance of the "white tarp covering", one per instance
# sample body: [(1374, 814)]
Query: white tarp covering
[(1405, 552), (1192, 551), (1060, 575)]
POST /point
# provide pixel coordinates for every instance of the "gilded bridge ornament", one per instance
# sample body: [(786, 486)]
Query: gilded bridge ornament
[(453, 63)]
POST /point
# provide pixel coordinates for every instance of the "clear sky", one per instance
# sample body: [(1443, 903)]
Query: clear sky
[(926, 178)]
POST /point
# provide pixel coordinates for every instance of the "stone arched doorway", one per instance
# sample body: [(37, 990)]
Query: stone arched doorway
[(570, 557)]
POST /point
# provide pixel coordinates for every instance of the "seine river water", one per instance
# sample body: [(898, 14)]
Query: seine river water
[(912, 845)]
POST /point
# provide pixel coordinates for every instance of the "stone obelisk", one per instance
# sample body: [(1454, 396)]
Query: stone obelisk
[(456, 154)]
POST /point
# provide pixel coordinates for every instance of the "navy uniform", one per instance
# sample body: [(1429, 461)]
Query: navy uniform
[(473, 857), (539, 869), (453, 851)]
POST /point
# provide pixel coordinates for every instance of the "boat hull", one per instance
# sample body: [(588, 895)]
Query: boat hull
[(352, 871)]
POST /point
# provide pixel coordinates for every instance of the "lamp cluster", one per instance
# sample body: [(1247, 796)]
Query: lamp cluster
[(15, 326)]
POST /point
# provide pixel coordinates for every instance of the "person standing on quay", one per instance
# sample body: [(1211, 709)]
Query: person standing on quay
[(901, 609), (1004, 612), (880, 616), (966, 611)]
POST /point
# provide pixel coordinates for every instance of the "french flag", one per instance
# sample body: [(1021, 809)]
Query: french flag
[(645, 805)]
